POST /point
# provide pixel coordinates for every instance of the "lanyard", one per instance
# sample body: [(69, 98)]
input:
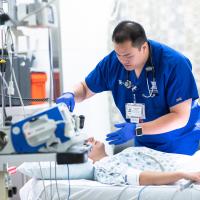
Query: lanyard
[(132, 87), (128, 85)]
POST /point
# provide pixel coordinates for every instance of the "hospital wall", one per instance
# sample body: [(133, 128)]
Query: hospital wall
[(174, 23), (84, 26)]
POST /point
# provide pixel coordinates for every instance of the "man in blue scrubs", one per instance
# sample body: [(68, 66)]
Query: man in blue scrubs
[(152, 86)]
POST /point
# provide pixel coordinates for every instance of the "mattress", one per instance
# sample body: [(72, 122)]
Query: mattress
[(86, 190)]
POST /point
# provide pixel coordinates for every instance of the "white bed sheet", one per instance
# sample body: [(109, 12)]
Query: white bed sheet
[(86, 190)]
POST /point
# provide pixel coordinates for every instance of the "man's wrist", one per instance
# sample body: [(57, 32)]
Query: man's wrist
[(72, 93), (138, 130), (69, 92)]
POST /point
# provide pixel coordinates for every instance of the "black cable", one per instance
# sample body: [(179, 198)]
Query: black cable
[(2, 84), (28, 99)]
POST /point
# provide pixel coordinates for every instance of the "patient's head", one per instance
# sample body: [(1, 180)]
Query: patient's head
[(98, 149)]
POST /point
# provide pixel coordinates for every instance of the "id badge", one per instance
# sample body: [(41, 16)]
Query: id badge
[(135, 112)]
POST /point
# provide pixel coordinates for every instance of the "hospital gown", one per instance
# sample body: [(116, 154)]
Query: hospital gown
[(132, 161)]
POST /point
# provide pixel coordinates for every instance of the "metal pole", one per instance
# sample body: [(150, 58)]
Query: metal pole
[(51, 73), (59, 49), (2, 69), (3, 188)]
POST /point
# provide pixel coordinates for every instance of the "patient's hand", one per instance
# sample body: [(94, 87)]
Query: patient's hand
[(160, 178), (193, 176)]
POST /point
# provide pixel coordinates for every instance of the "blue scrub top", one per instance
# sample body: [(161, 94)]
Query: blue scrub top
[(175, 83)]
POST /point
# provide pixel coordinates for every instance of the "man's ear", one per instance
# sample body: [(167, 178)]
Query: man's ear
[(144, 47)]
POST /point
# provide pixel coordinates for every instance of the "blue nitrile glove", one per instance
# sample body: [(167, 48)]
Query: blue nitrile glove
[(68, 99), (127, 132)]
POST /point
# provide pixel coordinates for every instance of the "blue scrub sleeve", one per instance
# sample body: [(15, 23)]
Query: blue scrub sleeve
[(97, 80), (181, 84)]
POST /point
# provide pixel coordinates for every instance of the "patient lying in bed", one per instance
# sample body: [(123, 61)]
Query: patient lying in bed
[(142, 166)]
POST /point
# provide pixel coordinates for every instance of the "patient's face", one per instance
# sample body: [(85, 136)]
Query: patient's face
[(98, 149)]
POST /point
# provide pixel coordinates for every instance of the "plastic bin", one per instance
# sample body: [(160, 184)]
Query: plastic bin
[(38, 86)]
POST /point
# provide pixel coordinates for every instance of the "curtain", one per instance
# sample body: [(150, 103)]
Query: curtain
[(175, 23)]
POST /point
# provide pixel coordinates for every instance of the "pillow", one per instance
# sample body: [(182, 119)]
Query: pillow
[(76, 171)]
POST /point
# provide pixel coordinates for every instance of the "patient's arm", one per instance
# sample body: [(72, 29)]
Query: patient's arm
[(159, 178)]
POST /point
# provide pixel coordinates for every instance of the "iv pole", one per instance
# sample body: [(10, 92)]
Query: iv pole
[(3, 188), (3, 185), (6, 191), (2, 70)]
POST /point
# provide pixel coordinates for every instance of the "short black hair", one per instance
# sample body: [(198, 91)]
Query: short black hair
[(129, 31)]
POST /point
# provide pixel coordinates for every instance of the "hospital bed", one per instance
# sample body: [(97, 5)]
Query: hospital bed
[(87, 189), (83, 189)]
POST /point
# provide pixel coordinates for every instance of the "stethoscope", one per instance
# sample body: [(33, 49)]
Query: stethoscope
[(149, 69)]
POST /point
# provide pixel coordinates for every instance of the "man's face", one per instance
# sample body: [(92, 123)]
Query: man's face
[(131, 57)]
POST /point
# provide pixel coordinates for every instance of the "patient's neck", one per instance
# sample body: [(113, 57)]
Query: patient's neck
[(98, 157)]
